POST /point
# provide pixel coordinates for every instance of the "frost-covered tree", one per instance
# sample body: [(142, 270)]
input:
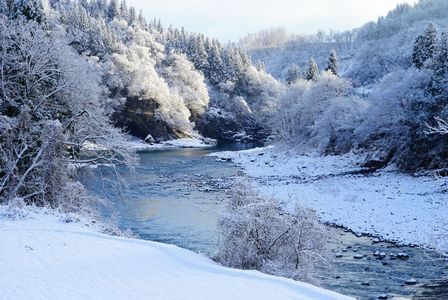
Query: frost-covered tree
[(332, 64), (312, 71), (3, 7), (256, 233), (197, 53), (135, 70), (306, 115), (261, 66), (132, 15), (293, 74), (50, 110), (425, 46), (113, 9), (215, 70), (439, 82), (30, 9), (124, 11), (184, 80), (141, 19)]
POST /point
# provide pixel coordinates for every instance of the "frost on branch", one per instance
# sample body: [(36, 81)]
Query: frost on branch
[(258, 234), (50, 109)]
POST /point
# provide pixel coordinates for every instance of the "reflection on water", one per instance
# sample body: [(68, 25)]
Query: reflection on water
[(176, 196)]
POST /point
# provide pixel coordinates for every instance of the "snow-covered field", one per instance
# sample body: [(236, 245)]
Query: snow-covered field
[(394, 206), (44, 257)]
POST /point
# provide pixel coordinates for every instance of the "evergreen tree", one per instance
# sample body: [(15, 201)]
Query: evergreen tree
[(84, 3), (313, 70), (124, 12), (98, 8), (425, 46), (113, 10), (439, 82), (332, 64), (132, 15), (229, 61), (293, 74), (141, 19), (30, 9), (197, 53), (3, 7), (215, 64)]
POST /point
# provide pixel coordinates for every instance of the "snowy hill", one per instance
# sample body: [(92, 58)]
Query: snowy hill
[(43, 257), (365, 54)]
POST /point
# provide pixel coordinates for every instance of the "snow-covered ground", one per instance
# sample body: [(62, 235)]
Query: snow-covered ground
[(139, 145), (388, 204), (44, 257)]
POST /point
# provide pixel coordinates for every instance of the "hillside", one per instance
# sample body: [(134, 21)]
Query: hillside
[(366, 54)]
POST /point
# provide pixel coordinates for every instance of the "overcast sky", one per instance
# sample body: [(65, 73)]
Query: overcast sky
[(232, 19)]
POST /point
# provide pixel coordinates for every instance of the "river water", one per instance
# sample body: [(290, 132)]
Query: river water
[(176, 196)]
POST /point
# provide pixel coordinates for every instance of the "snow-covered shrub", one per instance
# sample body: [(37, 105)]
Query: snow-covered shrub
[(307, 111), (257, 233), (333, 130), (397, 106)]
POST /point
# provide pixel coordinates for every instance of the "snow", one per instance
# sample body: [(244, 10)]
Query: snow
[(387, 204), (139, 145), (44, 257)]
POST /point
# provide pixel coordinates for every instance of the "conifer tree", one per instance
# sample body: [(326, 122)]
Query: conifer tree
[(124, 12), (141, 20), (113, 10), (293, 74), (439, 82), (313, 70), (3, 7), (132, 16), (425, 46), (332, 64), (215, 64), (30, 9)]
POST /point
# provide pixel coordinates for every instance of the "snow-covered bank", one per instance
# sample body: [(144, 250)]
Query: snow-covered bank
[(394, 206), (139, 145), (43, 257)]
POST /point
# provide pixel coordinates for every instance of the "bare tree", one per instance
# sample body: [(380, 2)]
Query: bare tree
[(256, 233), (440, 128)]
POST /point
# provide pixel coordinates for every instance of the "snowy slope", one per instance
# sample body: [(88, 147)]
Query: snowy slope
[(394, 206), (43, 257)]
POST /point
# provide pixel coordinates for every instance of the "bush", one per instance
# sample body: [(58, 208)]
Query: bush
[(258, 234)]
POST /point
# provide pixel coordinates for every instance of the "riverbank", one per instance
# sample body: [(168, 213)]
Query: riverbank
[(44, 255), (387, 204), (138, 145)]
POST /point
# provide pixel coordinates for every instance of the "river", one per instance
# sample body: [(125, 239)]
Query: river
[(176, 196)]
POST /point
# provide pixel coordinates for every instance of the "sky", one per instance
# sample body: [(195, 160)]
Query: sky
[(229, 20)]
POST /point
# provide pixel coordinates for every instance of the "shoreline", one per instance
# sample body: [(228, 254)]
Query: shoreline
[(379, 205)]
